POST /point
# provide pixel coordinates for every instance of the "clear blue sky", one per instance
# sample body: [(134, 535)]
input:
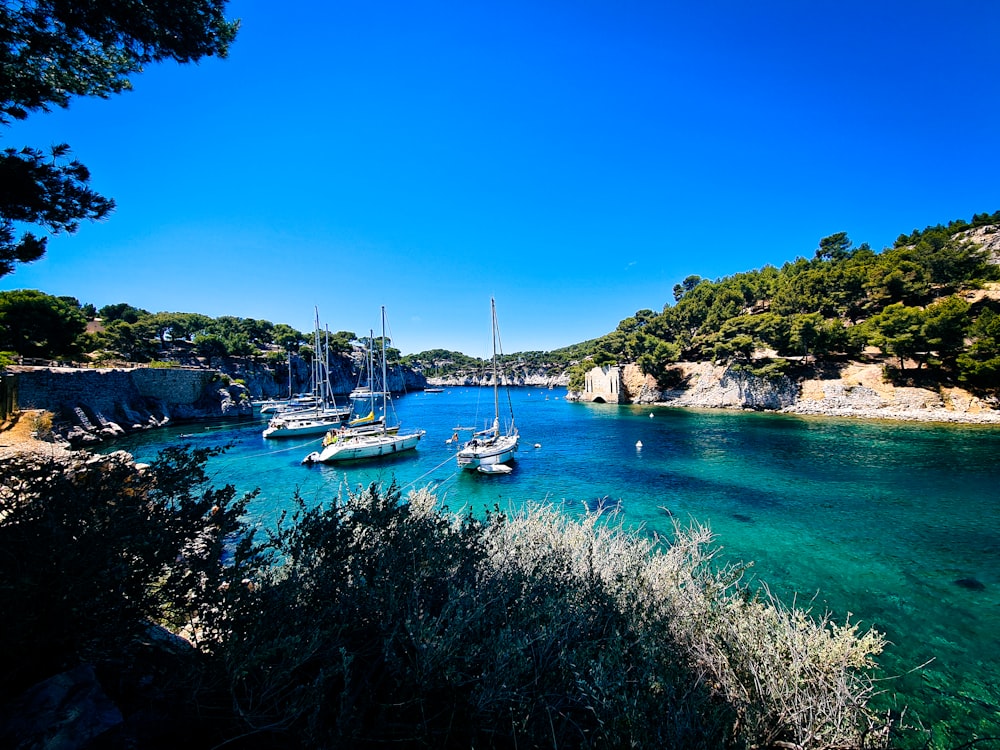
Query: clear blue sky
[(573, 159)]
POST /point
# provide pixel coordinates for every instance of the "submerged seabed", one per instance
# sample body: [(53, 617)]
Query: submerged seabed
[(895, 523)]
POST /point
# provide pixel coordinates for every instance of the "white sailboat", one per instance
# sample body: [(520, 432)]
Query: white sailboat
[(316, 419), (367, 436), (491, 449)]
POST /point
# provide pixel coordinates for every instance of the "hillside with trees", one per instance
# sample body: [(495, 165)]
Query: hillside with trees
[(928, 305), (37, 325), (928, 308)]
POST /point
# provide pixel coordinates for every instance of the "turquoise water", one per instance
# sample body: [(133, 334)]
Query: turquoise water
[(876, 519)]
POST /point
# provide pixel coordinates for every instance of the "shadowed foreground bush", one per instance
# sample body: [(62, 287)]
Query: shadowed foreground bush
[(383, 621), (392, 622)]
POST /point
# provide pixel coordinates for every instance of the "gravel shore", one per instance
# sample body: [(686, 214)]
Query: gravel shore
[(18, 436)]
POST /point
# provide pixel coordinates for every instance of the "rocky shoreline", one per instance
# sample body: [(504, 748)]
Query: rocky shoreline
[(20, 436), (857, 390)]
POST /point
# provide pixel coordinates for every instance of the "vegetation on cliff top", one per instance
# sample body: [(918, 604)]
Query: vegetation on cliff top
[(915, 302), (377, 621), (928, 304)]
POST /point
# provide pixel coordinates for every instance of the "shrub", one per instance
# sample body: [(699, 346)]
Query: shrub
[(41, 425), (375, 620), (96, 550), (772, 369), (393, 622)]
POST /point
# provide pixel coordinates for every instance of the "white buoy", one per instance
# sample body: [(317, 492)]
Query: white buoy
[(650, 415), (538, 445), (638, 444)]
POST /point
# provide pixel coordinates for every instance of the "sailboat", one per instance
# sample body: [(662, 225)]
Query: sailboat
[(490, 450), (316, 419), (367, 436), (292, 402)]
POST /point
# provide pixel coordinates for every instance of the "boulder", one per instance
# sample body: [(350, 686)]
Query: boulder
[(65, 712)]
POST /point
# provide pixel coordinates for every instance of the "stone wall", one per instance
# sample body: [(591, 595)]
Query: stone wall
[(91, 404), (604, 385), (62, 389), (171, 385)]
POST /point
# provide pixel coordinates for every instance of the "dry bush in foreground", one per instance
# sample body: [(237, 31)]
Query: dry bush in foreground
[(382, 621), (392, 621)]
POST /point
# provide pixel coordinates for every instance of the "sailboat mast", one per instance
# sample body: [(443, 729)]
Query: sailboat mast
[(496, 382), (317, 383), (328, 386), (385, 384)]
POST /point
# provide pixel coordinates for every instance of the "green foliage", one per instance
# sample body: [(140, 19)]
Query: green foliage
[(122, 311), (400, 624), (52, 52), (835, 247), (686, 286), (276, 359), (980, 364), (442, 362), (35, 324), (898, 330), (210, 347), (945, 324), (844, 298), (45, 189), (578, 376), (374, 620), (288, 338), (131, 341), (100, 550), (765, 368)]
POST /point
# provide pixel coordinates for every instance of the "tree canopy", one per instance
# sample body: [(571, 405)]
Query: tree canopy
[(54, 50), (35, 324), (907, 301)]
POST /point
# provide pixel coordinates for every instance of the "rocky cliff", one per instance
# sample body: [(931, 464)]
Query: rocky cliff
[(265, 381), (90, 405), (852, 390), (536, 378)]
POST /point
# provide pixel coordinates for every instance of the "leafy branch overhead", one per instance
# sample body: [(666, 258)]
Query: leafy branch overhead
[(54, 50), (48, 192)]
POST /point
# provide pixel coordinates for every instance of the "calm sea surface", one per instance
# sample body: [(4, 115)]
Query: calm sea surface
[(882, 520)]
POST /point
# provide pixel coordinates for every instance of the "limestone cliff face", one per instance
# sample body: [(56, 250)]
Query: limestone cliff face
[(720, 386), (90, 405), (536, 378), (705, 385), (860, 390), (856, 390), (266, 381)]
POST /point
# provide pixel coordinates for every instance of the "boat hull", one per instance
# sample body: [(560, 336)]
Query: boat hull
[(498, 451), (294, 427), (368, 446)]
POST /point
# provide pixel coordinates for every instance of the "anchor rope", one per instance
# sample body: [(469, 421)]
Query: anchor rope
[(410, 484)]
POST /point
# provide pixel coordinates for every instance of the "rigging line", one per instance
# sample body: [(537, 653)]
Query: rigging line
[(282, 450), (410, 484), (439, 485)]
